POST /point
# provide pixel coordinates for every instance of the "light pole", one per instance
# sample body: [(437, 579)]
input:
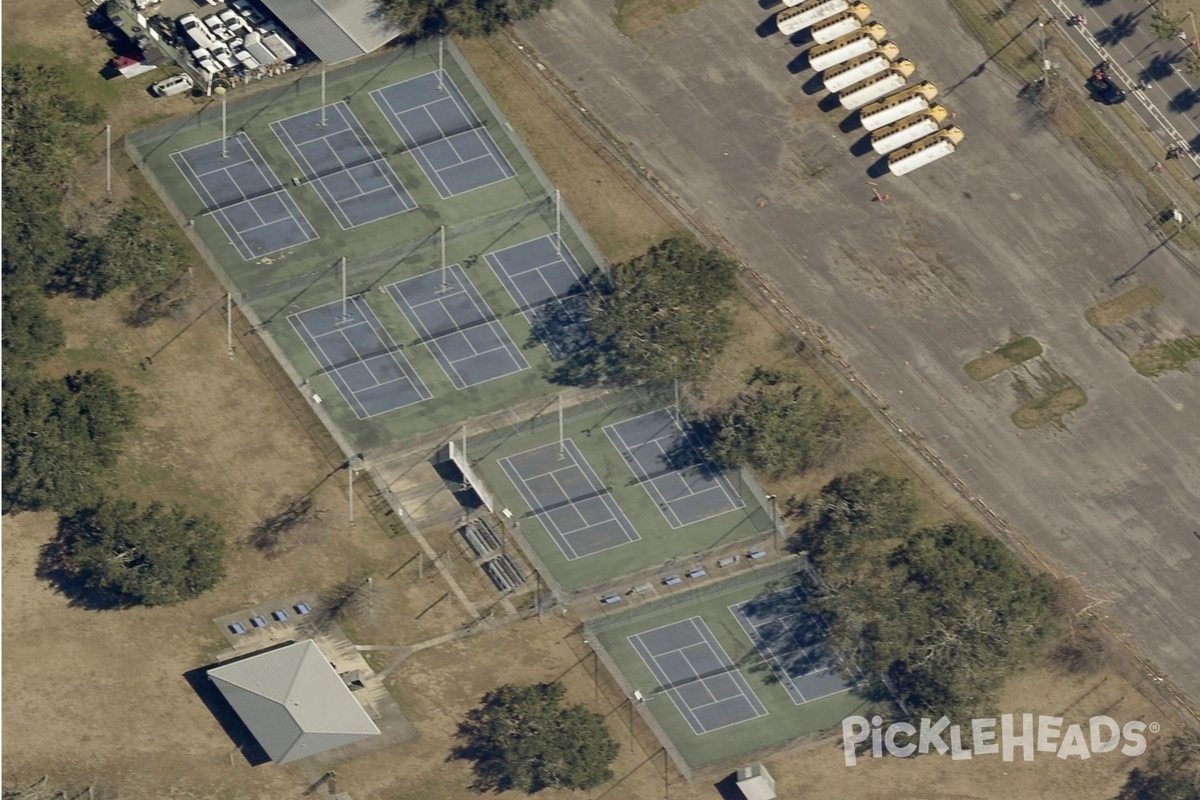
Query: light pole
[(774, 523)]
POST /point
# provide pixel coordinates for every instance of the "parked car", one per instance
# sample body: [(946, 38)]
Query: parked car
[(248, 10), (248, 61), (201, 53), (221, 53), (176, 84), (208, 67), (218, 28), (188, 21), (235, 22)]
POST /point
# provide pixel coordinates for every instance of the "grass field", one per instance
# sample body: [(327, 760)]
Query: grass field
[(483, 220), (1176, 354), (1003, 358), (785, 721)]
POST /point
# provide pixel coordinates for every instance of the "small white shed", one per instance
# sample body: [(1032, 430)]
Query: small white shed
[(755, 782)]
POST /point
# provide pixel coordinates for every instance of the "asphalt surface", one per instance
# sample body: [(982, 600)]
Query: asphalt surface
[(1123, 28), (1016, 234)]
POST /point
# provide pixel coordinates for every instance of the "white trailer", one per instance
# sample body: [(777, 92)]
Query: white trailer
[(908, 130), (255, 47), (792, 20), (844, 48), (279, 46), (925, 151), (859, 94), (864, 66), (848, 21), (898, 105)]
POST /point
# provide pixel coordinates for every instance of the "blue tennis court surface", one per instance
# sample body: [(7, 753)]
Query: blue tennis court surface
[(241, 192), (793, 643), (457, 326), (548, 285), (570, 500), (342, 163), (684, 485), (441, 131), (360, 357), (695, 671)]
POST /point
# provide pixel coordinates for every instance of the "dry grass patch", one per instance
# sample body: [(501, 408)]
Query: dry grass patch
[(621, 215), (1123, 306), (1050, 409), (1003, 358), (1176, 354), (635, 16)]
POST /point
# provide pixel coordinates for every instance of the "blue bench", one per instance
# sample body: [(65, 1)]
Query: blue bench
[(757, 554), (279, 616), (258, 622), (673, 580), (609, 599), (302, 608), (237, 627)]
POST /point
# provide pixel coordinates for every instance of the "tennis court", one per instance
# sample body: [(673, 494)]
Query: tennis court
[(546, 282), (240, 191), (457, 326), (685, 486), (565, 494), (697, 674), (443, 134), (360, 357), (345, 167), (793, 643)]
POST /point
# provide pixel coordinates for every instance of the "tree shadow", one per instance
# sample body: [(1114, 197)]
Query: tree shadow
[(55, 568), (226, 717), (1161, 66), (1184, 101), (1122, 27), (562, 324)]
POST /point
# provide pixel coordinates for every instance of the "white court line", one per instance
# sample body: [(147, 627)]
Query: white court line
[(530, 499), (302, 223), (197, 185), (326, 363), (643, 477), (752, 699), (330, 202), (421, 390)]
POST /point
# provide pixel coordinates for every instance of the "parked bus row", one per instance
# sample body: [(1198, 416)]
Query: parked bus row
[(866, 71)]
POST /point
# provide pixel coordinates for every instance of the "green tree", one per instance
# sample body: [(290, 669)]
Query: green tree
[(524, 738), (855, 511), (944, 617), (44, 134), (117, 554), (665, 315), (1173, 772), (30, 334), (138, 247), (779, 429), (463, 17), (60, 438)]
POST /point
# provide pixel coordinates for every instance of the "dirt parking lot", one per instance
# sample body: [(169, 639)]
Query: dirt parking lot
[(1016, 235)]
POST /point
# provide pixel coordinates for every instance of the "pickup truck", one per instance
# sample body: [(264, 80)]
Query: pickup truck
[(1103, 87)]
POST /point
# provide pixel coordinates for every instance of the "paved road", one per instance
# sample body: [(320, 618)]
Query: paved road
[(1016, 234), (1123, 28)]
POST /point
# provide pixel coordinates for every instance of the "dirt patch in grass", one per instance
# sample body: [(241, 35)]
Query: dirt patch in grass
[(618, 212), (1050, 409), (635, 16), (1123, 306), (1176, 354), (1003, 358)]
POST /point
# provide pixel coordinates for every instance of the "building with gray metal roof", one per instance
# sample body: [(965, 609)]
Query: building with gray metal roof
[(293, 701), (335, 30)]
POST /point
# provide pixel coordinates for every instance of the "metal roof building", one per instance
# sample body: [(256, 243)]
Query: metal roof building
[(293, 701), (335, 30)]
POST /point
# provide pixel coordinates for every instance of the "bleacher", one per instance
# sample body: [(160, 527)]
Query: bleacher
[(503, 573)]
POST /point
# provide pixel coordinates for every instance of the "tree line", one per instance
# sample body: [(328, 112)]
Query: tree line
[(63, 435)]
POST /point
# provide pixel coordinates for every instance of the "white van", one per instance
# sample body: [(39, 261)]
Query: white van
[(176, 84)]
